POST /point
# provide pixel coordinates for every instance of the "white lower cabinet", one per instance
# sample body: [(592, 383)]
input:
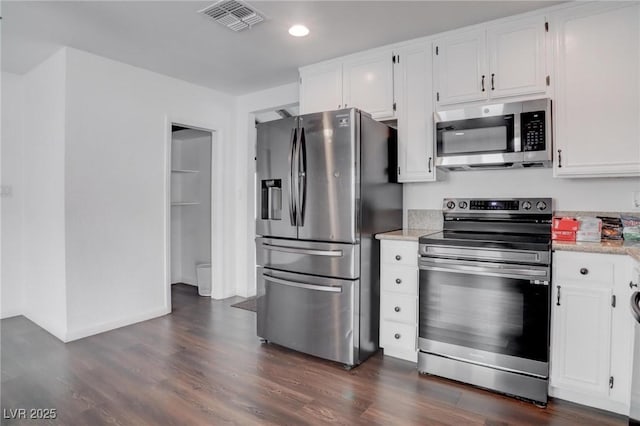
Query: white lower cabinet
[(591, 330), (399, 298)]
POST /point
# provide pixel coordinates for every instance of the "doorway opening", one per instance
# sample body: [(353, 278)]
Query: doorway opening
[(191, 213)]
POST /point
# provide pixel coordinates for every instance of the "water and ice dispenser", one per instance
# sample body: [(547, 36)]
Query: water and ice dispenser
[(271, 200)]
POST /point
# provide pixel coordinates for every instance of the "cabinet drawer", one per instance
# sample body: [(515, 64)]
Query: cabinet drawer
[(399, 279), (583, 267), (398, 307), (398, 335), (399, 252)]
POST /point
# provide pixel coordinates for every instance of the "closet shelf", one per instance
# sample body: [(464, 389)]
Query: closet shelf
[(185, 203), (184, 171)]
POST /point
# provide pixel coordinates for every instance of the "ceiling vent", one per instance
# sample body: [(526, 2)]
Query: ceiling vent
[(233, 14)]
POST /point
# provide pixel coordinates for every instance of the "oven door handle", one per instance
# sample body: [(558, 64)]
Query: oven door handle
[(498, 270)]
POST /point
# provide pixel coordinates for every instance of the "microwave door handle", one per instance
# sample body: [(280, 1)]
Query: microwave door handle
[(517, 132)]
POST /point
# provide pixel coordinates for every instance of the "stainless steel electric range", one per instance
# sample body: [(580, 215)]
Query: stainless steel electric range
[(484, 295)]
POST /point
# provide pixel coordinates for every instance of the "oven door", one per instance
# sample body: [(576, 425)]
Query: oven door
[(487, 313)]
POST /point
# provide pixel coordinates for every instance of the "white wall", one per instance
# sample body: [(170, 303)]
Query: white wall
[(12, 290), (118, 133), (44, 194), (244, 178), (603, 194)]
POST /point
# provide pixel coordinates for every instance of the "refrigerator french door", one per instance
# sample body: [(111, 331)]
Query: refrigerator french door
[(309, 167), (317, 283)]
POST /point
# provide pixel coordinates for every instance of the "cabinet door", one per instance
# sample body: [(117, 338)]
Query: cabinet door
[(414, 97), (581, 338), (460, 68), (517, 58), (597, 105), (368, 84), (321, 88)]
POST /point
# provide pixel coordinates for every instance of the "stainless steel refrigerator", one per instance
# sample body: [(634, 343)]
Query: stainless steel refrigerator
[(326, 184)]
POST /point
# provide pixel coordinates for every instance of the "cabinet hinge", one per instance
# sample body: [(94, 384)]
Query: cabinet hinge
[(548, 80), (546, 26), (394, 106), (438, 96), (613, 300), (437, 50), (611, 382)]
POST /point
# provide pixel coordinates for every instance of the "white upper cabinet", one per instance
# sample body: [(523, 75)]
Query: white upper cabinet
[(368, 84), (516, 58), (363, 81), (500, 61), (460, 66), (597, 101), (414, 97), (321, 88)]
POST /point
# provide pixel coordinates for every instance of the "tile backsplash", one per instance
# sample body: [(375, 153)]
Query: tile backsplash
[(424, 219)]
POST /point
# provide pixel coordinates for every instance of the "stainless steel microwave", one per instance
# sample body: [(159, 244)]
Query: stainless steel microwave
[(516, 134)]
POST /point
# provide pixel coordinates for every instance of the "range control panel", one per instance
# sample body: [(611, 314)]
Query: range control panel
[(510, 205)]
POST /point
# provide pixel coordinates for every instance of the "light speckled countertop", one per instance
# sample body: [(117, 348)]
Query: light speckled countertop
[(406, 234), (608, 247)]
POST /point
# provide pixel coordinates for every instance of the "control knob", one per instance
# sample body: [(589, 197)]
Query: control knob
[(451, 205), (526, 205), (462, 204), (541, 205)]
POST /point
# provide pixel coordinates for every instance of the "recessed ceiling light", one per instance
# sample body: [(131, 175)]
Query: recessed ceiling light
[(298, 31)]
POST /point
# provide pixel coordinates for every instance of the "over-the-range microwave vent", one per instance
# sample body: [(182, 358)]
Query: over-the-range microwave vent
[(233, 14)]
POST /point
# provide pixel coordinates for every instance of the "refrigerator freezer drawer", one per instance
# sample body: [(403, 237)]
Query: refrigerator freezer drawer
[(327, 259), (314, 315)]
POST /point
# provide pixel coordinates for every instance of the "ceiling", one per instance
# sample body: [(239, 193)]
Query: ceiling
[(169, 37)]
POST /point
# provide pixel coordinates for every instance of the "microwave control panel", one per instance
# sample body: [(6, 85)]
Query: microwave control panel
[(533, 131)]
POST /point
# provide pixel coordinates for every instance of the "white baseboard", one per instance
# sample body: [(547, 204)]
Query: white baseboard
[(8, 313), (589, 400), (58, 333), (80, 333)]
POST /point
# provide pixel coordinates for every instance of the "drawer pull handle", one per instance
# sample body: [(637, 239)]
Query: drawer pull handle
[(399, 281), (398, 257), (397, 309), (397, 336), (584, 271), (632, 284)]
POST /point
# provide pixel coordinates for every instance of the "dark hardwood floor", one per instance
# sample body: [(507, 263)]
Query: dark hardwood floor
[(203, 364)]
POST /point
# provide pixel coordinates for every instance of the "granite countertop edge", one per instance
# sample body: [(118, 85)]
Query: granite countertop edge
[(611, 247), (406, 234)]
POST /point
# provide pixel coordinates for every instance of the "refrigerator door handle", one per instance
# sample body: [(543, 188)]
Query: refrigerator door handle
[(297, 284), (302, 178), (312, 252), (292, 180)]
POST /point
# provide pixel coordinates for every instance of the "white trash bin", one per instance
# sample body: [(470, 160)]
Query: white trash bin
[(203, 275)]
